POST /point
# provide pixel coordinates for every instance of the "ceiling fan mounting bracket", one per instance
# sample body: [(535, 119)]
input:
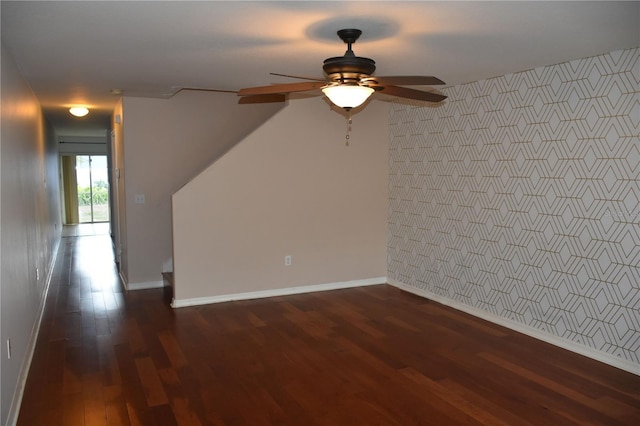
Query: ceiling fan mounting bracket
[(349, 35)]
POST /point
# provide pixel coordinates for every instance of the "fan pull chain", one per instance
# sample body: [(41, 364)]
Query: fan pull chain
[(349, 121)]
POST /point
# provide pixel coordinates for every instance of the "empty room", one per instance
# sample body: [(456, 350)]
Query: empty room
[(320, 213)]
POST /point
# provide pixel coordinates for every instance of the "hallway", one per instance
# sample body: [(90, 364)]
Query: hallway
[(82, 370)]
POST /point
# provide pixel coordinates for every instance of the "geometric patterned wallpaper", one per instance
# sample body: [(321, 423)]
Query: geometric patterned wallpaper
[(520, 196)]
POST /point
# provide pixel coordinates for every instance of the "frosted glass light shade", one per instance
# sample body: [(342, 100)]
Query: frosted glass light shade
[(79, 111), (347, 96)]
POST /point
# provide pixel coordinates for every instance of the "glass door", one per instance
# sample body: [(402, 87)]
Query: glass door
[(93, 188)]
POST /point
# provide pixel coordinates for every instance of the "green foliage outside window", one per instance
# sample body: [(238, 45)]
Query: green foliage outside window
[(100, 194)]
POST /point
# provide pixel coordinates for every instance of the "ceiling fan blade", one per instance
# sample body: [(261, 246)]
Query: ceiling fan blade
[(298, 77), (404, 92), (282, 88), (409, 80), (262, 99)]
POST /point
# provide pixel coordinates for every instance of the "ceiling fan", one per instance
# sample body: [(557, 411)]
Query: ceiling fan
[(348, 83)]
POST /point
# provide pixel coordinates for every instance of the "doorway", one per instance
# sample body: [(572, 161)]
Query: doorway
[(93, 188), (86, 189)]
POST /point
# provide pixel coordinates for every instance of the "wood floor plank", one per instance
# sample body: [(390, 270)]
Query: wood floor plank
[(364, 356), (184, 413), (93, 400), (73, 410), (115, 406), (172, 349), (163, 415), (151, 382), (489, 405), (134, 336), (608, 408)]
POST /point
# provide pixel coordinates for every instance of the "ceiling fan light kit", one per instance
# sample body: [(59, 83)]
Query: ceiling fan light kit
[(349, 81), (347, 96)]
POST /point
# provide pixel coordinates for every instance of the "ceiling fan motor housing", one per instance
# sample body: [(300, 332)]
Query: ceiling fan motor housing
[(348, 69)]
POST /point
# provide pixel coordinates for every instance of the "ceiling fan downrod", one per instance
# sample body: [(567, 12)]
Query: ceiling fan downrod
[(349, 36)]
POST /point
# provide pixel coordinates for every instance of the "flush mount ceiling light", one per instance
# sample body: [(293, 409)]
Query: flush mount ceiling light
[(79, 111), (348, 96)]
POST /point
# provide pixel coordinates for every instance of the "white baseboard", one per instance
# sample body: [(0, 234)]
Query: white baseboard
[(524, 329), (181, 303), (14, 410), (144, 285)]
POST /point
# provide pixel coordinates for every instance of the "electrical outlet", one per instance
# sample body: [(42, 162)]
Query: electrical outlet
[(8, 348), (37, 274), (287, 261), (139, 199)]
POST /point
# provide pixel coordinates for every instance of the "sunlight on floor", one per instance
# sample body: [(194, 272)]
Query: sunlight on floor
[(85, 229), (95, 263)]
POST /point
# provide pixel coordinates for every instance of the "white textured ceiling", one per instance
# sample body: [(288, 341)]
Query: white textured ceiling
[(76, 52)]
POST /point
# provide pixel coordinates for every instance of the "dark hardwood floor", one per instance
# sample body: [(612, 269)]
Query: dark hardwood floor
[(365, 356)]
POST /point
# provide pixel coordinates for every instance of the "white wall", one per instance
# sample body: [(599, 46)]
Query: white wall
[(517, 200), (167, 142), (30, 226), (290, 188)]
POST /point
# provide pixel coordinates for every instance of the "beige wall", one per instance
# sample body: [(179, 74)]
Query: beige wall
[(290, 188), (166, 143), (30, 225)]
